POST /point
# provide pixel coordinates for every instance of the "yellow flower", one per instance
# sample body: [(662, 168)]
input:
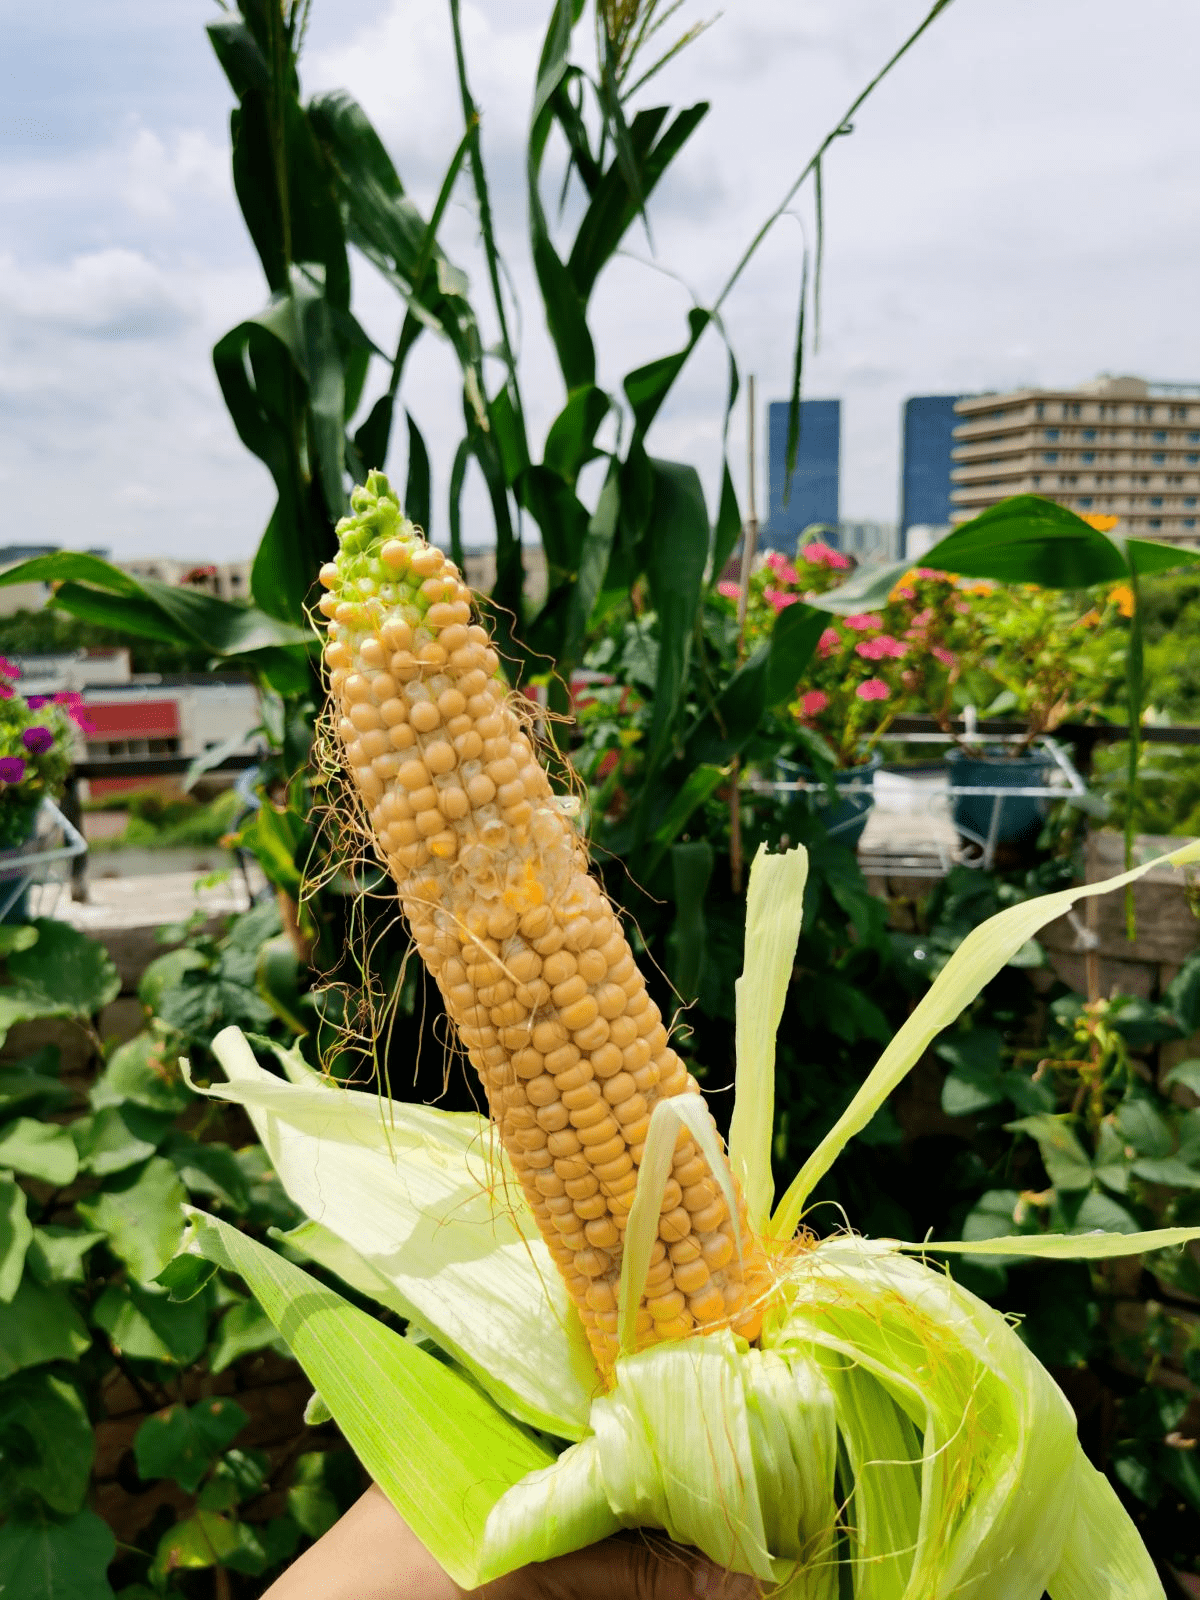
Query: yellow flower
[(1122, 597), (1099, 521)]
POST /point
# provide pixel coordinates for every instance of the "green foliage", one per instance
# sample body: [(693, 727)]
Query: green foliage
[(91, 1210), (160, 822), (52, 632)]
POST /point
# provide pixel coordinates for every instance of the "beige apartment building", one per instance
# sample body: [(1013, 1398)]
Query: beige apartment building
[(1116, 447)]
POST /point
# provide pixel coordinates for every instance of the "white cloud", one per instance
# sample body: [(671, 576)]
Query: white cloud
[(108, 294), (157, 174)]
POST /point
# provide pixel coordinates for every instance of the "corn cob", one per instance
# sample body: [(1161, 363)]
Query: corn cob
[(529, 955)]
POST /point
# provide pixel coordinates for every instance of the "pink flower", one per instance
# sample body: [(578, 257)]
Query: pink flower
[(922, 619), (929, 572), (9, 669), (823, 555), (36, 740), (777, 599), (6, 691), (814, 702), (873, 689), (963, 608), (864, 621), (731, 590), (782, 567), (882, 649), (12, 769), (946, 657), (829, 641), (904, 593)]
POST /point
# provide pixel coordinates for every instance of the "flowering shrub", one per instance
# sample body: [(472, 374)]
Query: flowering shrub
[(938, 645), (36, 740)]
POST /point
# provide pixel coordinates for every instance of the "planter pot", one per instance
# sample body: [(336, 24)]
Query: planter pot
[(999, 818), (845, 818)]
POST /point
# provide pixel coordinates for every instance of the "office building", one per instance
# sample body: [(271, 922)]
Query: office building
[(812, 495), (1118, 447), (868, 542), (925, 483)]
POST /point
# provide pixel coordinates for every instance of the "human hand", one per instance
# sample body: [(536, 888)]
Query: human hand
[(628, 1567), (372, 1554)]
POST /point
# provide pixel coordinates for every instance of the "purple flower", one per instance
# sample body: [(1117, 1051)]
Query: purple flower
[(36, 740), (12, 769)]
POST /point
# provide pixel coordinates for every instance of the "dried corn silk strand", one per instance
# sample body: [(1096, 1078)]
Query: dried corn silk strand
[(529, 955)]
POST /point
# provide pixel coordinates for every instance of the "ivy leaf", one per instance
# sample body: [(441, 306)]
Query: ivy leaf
[(1144, 1127), (48, 1560), (142, 1072), (142, 1215), (309, 1500), (209, 1169), (16, 1235), (40, 1150), (243, 1329), (1064, 1158), (46, 1411), (33, 1083), (207, 1539), (65, 974), (238, 1476), (56, 1254), (1112, 1164), (166, 972), (146, 1323), (39, 1325), (118, 1137), (182, 1442)]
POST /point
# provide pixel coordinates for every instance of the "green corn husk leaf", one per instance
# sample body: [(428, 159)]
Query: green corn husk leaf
[(428, 1201), (440, 1450), (774, 908), (978, 959), (891, 1439)]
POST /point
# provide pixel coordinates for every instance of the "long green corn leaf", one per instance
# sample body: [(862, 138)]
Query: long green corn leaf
[(1061, 1246), (1127, 1572), (976, 962), (438, 1448)]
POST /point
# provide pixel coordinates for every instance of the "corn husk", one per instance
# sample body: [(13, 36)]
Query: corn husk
[(891, 1437)]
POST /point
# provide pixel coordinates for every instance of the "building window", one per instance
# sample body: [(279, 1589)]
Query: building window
[(1052, 433), (1194, 438), (1179, 413), (1189, 522), (1156, 499), (1085, 500), (1089, 433), (1087, 456), (1049, 455), (1076, 411), (1158, 457), (1189, 499), (1160, 435), (1039, 409), (1155, 522), (1037, 478), (1192, 458)]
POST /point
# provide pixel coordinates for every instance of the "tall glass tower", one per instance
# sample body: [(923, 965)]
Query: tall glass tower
[(929, 423), (812, 495)]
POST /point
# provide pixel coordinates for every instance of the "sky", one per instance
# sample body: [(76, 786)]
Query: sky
[(1016, 205)]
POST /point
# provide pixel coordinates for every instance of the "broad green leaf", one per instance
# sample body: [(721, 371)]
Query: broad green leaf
[(118, 1137), (164, 973), (978, 959), (437, 1447), (1027, 539), (428, 1200), (1064, 1158), (56, 1253), (238, 1476), (182, 1442), (1186, 1074), (16, 1235), (184, 1277), (51, 1413), (1100, 1213), (243, 1329), (676, 557), (33, 1084), (206, 1539), (1143, 1126), (142, 1216), (143, 1321), (40, 1150), (142, 1072), (67, 971), (1168, 1170), (210, 1169), (309, 1499), (38, 1325), (774, 911), (48, 1560)]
